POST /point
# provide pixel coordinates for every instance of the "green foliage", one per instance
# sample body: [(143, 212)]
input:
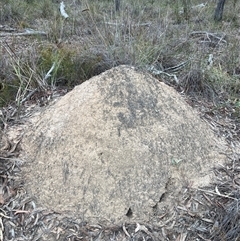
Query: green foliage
[(222, 82), (71, 68), (63, 61), (7, 93)]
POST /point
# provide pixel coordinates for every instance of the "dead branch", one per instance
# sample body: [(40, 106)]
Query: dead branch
[(27, 32), (210, 36)]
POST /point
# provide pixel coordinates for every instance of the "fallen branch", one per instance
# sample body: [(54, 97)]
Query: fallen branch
[(210, 36), (217, 193), (7, 29), (28, 32), (132, 25), (154, 71)]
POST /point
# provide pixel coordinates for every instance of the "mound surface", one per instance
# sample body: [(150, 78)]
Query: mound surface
[(118, 146)]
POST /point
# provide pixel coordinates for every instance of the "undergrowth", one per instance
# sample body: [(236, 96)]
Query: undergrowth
[(171, 39)]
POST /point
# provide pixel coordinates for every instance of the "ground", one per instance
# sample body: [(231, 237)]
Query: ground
[(153, 37)]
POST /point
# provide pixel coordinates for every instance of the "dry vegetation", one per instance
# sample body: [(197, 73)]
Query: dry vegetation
[(179, 44)]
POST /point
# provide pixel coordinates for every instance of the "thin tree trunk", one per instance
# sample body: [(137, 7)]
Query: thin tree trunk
[(186, 9), (219, 10), (117, 5)]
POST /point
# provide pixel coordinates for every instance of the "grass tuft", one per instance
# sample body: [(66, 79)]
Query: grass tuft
[(146, 34)]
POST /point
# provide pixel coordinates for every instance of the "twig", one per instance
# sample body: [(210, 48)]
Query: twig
[(49, 73), (133, 25), (218, 194), (7, 29), (209, 35), (21, 211), (28, 32), (125, 230), (144, 229), (177, 67), (154, 71), (29, 95)]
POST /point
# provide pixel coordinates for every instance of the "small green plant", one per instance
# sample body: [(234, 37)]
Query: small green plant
[(7, 93), (66, 66), (70, 67), (26, 79)]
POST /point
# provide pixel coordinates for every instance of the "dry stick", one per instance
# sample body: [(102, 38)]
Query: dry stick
[(209, 34), (144, 229), (7, 29), (125, 230), (26, 33), (29, 95), (218, 194), (155, 71), (133, 25)]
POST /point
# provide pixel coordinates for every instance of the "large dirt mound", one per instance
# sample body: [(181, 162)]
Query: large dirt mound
[(121, 144)]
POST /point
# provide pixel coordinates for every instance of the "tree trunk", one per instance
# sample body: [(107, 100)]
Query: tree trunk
[(117, 5), (219, 10), (186, 9)]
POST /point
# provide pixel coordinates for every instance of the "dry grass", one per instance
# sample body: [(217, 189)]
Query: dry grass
[(146, 34), (151, 35)]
